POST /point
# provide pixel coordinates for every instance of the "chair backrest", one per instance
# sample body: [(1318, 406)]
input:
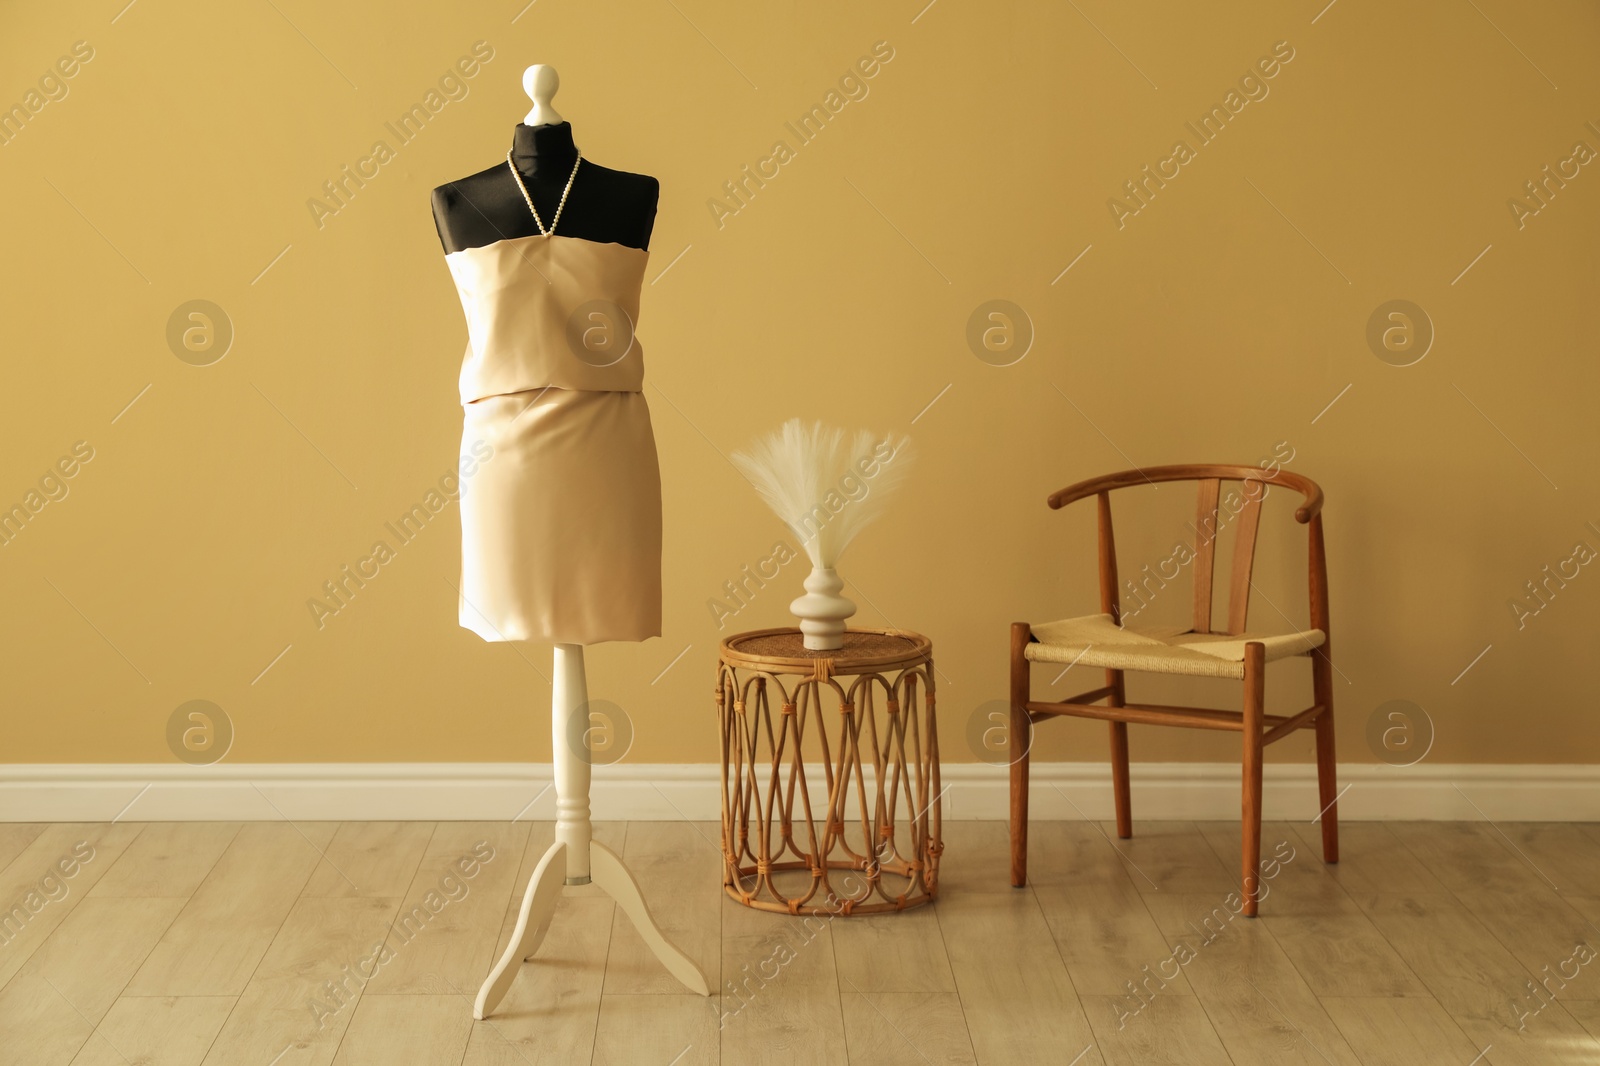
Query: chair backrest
[(1215, 509)]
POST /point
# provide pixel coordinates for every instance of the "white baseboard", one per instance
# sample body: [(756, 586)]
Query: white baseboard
[(98, 792)]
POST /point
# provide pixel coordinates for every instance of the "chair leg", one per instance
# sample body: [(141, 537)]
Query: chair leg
[(1255, 663), (1327, 767), (1021, 734), (1119, 759), (1119, 779)]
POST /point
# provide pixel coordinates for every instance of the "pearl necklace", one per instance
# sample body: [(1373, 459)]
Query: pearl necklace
[(554, 222)]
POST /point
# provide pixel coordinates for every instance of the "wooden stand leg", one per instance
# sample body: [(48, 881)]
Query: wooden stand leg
[(533, 921), (1255, 664), (574, 858), (611, 875), (1021, 732)]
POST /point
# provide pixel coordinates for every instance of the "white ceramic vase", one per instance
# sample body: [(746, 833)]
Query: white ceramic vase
[(822, 610)]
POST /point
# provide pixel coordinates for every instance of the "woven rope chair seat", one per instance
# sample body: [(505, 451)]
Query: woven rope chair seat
[(1096, 640)]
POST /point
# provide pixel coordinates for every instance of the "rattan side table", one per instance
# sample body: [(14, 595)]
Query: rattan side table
[(868, 847)]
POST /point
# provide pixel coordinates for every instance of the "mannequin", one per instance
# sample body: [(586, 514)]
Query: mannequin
[(593, 204)]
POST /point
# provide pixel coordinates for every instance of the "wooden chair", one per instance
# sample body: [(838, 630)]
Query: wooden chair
[(1102, 640)]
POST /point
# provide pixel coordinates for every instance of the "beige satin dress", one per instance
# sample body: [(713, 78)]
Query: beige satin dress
[(561, 525)]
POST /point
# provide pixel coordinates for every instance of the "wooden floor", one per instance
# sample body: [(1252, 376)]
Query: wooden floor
[(271, 943)]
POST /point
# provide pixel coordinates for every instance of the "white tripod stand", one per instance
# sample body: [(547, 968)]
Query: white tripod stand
[(575, 859)]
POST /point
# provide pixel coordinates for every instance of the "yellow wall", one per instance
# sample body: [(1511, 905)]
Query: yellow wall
[(1213, 324)]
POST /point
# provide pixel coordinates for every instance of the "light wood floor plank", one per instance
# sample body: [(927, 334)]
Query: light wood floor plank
[(488, 1045), (779, 998), (1568, 853), (657, 1028), (1075, 854), (1259, 1005), (892, 953), (1175, 857), (1105, 935), (1400, 1032), (1587, 1012), (906, 1029), (1589, 907), (1263, 1023), (1549, 937), (36, 896), (302, 994), (1371, 860), (1294, 879), (168, 859), (1097, 916), (40, 1026), (1554, 1038), (756, 945), (377, 859), (392, 1029), (14, 840), (98, 947), (1468, 856), (1019, 1002), (1344, 955), (1170, 1031), (1478, 981), (444, 936), (227, 925), (156, 1031), (800, 1025), (977, 858)]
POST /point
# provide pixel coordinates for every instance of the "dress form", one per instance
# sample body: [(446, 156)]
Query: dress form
[(618, 208)]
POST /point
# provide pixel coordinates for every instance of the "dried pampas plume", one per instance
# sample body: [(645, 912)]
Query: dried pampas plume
[(827, 485)]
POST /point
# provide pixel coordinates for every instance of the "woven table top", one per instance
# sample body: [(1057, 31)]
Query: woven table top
[(784, 650)]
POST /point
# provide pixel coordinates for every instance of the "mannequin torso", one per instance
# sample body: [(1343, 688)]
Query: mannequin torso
[(606, 206)]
